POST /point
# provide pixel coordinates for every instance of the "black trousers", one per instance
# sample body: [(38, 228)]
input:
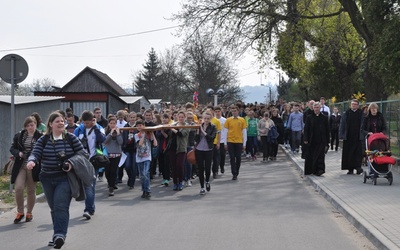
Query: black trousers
[(266, 147), (222, 156), (235, 155), (203, 159), (111, 171), (335, 138), (273, 149), (215, 162), (164, 165)]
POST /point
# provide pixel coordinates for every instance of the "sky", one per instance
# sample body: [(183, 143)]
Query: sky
[(27, 24)]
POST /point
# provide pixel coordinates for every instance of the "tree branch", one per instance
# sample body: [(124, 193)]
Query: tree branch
[(323, 16)]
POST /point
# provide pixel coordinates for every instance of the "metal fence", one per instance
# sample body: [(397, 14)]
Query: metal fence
[(391, 112)]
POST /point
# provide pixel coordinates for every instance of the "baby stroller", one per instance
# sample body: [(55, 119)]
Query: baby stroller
[(379, 160)]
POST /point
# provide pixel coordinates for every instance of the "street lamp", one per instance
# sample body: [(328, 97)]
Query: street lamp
[(219, 93), (270, 91)]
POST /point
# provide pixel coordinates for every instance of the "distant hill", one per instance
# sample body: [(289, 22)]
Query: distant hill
[(258, 94)]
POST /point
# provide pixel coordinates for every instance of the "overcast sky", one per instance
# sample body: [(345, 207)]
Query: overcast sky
[(28, 23)]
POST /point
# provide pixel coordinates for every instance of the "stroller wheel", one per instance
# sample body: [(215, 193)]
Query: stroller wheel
[(374, 180), (390, 179), (365, 176)]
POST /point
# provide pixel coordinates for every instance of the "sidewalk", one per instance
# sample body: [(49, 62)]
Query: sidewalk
[(371, 209)]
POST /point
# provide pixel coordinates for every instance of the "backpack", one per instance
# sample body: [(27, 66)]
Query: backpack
[(46, 138)]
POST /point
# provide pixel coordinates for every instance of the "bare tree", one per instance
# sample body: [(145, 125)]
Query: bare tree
[(208, 67), (43, 84)]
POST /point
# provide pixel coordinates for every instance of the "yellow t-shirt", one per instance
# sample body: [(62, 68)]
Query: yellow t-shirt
[(217, 124), (235, 127)]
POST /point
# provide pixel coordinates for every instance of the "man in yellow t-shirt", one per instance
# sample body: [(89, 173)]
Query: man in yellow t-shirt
[(236, 139)]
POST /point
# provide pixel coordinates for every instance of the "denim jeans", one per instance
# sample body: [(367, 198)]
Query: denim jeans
[(58, 195), (187, 167), (144, 173), (130, 167), (296, 140), (251, 145), (90, 192)]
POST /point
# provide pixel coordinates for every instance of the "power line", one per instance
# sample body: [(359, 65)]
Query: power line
[(257, 71), (89, 41), (88, 56)]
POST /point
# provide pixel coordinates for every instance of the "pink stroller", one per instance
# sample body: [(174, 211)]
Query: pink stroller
[(379, 158)]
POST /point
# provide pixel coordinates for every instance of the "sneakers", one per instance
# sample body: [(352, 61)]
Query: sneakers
[(180, 186), (208, 186), (234, 178), (165, 182), (188, 183), (175, 188), (87, 215), (146, 195), (202, 191), (254, 158), (58, 242), (19, 217), (111, 191), (215, 176), (29, 217)]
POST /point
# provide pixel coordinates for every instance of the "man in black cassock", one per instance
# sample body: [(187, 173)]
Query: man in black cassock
[(349, 131), (316, 136), (306, 113)]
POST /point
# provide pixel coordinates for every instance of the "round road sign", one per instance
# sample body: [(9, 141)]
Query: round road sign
[(18, 64)]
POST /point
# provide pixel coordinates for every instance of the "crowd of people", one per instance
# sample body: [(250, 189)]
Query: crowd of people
[(122, 144)]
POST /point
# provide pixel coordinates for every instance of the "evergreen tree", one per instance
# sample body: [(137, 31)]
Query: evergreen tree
[(147, 80)]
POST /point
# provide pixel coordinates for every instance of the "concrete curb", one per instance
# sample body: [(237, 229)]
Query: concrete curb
[(362, 225), (39, 198)]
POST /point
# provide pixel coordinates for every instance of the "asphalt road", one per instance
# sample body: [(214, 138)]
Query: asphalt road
[(268, 207)]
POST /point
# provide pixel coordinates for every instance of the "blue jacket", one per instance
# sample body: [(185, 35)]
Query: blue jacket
[(100, 137)]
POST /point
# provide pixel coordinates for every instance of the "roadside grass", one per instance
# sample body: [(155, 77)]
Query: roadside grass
[(6, 196)]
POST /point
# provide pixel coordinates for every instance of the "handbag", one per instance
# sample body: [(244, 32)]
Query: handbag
[(8, 168), (99, 160), (191, 156)]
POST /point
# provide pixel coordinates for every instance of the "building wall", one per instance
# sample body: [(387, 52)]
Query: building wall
[(86, 82), (115, 104), (79, 107), (21, 112)]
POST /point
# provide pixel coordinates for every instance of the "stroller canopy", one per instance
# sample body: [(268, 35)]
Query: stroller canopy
[(378, 141)]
